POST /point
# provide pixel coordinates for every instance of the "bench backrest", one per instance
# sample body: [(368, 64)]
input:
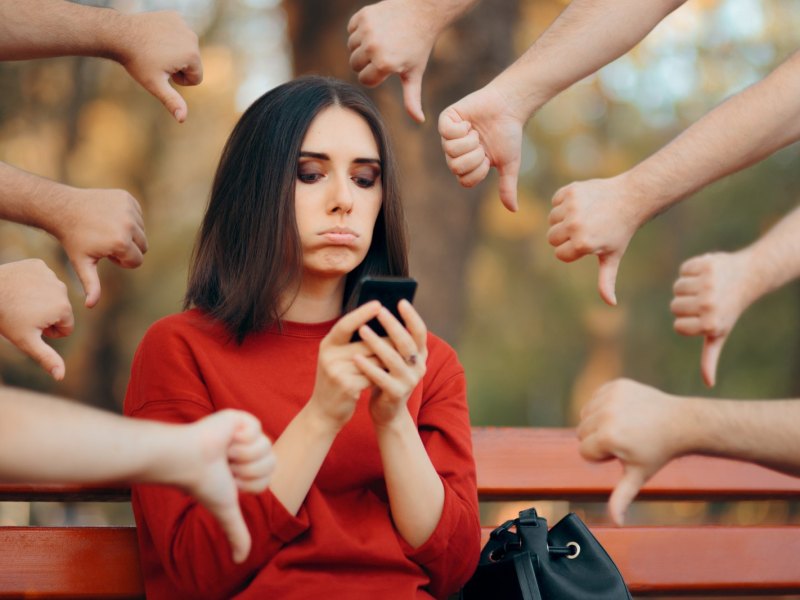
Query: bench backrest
[(513, 465)]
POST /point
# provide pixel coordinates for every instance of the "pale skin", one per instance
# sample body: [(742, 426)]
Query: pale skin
[(397, 36), (337, 200), (34, 303), (645, 429), (484, 129), (153, 47), (91, 224), (213, 459), (600, 216), (714, 289)]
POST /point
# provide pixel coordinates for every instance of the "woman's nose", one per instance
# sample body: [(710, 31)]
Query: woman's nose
[(341, 199)]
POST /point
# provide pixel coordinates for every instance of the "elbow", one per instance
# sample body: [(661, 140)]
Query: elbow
[(208, 574)]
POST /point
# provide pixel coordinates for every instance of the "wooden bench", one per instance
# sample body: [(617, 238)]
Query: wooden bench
[(514, 465)]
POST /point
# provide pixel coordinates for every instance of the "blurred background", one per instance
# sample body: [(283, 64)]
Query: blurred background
[(532, 332)]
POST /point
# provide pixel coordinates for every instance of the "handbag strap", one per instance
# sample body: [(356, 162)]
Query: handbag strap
[(526, 576)]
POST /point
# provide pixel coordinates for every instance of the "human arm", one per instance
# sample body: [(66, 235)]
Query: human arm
[(430, 470), (153, 47), (645, 429), (33, 303), (712, 290), (416, 493), (91, 224), (397, 36), (586, 36), (49, 440), (304, 444), (600, 216)]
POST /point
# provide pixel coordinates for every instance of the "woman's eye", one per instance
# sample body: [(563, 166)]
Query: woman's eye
[(366, 180), (309, 177)]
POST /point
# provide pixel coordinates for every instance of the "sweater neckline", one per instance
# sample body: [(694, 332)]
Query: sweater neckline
[(306, 330)]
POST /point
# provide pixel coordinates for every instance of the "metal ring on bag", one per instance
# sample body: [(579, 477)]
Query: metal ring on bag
[(577, 547)]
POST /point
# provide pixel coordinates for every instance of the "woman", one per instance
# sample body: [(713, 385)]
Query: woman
[(374, 491)]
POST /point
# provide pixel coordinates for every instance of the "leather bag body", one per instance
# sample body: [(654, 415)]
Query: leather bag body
[(524, 561)]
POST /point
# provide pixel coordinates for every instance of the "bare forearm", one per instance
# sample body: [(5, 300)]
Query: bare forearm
[(44, 439), (300, 452), (46, 28), (738, 133), (586, 36), (766, 432), (29, 199), (416, 494), (774, 258)]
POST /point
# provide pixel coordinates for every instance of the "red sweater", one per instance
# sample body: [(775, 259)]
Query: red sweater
[(342, 542)]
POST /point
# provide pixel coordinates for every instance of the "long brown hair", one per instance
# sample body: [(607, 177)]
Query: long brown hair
[(248, 254)]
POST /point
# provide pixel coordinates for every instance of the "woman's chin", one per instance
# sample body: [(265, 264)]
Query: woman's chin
[(337, 263)]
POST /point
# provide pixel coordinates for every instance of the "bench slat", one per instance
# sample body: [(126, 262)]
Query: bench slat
[(19, 492), (70, 562), (516, 463)]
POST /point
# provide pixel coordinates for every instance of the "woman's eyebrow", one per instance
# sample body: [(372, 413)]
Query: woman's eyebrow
[(368, 161), (323, 156), (319, 155)]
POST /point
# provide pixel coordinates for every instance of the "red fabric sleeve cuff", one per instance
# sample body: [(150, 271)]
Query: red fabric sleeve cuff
[(280, 522), (439, 540)]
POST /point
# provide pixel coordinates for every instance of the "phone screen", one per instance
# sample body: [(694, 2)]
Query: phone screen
[(388, 291)]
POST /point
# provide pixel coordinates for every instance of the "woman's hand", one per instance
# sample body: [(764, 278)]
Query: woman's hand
[(402, 359), (339, 380)]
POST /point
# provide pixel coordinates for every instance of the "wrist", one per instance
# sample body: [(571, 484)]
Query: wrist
[(114, 36), (319, 423), (753, 278), (395, 426), (521, 101), (167, 453), (689, 416), (643, 198), (56, 217), (763, 268), (440, 14)]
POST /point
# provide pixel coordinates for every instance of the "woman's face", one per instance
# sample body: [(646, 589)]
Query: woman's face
[(337, 192)]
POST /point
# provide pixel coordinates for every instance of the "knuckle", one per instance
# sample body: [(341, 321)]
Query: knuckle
[(120, 245), (707, 323), (468, 181), (706, 304), (581, 245)]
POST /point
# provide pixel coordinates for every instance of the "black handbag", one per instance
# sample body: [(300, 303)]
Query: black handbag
[(523, 561)]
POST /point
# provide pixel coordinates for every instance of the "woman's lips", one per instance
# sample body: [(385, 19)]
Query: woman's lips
[(344, 237)]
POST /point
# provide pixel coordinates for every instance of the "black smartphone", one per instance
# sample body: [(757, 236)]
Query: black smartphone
[(388, 291)]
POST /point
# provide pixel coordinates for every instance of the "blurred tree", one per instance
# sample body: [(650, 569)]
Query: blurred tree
[(532, 332)]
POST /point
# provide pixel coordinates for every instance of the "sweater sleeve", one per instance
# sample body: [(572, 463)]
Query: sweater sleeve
[(166, 385), (451, 553)]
